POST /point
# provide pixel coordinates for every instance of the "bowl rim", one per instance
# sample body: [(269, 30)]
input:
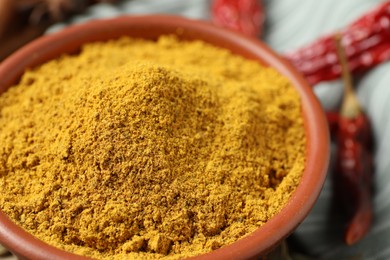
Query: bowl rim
[(258, 242)]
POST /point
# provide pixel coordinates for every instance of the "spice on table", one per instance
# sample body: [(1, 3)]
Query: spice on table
[(366, 42), (246, 16), (353, 176), (173, 149)]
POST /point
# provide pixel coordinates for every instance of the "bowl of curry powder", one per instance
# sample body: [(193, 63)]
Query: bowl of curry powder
[(152, 137)]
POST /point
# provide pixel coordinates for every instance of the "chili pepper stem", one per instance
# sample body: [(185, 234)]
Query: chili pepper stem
[(350, 107)]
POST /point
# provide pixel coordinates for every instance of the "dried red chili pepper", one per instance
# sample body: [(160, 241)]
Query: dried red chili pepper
[(366, 42), (333, 122), (246, 16), (353, 176)]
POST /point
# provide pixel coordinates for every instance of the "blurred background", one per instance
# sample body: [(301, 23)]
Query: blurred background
[(286, 26)]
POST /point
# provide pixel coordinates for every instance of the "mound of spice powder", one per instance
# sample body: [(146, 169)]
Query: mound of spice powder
[(134, 148)]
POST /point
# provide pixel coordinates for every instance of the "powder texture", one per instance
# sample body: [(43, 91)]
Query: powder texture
[(142, 149)]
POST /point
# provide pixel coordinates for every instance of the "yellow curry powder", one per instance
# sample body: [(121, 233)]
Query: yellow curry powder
[(136, 148)]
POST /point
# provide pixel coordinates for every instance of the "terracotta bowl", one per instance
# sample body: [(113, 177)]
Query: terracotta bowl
[(264, 239)]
